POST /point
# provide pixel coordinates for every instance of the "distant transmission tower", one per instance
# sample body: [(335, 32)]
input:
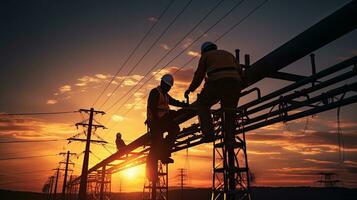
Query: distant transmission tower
[(328, 179), (182, 175)]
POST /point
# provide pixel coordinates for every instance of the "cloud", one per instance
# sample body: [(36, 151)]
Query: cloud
[(152, 19), (263, 152), (187, 42), (51, 101), (165, 46), (129, 80), (92, 83), (31, 128), (181, 75), (65, 88), (193, 53), (101, 76), (138, 94), (118, 118), (320, 161), (309, 170), (85, 80)]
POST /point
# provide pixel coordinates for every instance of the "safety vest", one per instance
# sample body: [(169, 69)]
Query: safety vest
[(218, 72), (162, 107)]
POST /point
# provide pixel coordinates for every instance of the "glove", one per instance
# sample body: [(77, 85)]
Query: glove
[(187, 92)]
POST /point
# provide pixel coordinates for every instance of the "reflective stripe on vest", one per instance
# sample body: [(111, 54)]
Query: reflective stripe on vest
[(163, 105)]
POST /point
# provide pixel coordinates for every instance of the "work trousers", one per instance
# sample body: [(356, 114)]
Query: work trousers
[(226, 91), (161, 147)]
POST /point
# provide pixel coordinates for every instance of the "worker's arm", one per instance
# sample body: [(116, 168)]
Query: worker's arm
[(175, 102), (199, 74), (153, 102)]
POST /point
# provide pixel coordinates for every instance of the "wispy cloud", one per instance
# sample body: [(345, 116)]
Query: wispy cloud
[(51, 101), (117, 118), (263, 152), (92, 83), (152, 19), (193, 53), (31, 128), (65, 88), (320, 161), (165, 46), (187, 42)]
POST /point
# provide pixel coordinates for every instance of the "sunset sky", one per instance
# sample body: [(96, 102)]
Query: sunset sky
[(60, 55)]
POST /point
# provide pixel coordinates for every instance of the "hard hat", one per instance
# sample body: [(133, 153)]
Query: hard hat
[(168, 79), (119, 135), (208, 46)]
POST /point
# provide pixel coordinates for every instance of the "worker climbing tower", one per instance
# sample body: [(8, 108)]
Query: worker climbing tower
[(230, 163), (156, 186)]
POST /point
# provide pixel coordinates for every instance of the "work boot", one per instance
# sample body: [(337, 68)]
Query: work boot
[(207, 138), (167, 160)]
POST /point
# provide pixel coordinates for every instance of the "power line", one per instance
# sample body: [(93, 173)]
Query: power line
[(176, 45), (133, 51), (242, 20), (40, 113), (27, 157), (219, 38), (27, 141), (28, 172), (149, 49), (194, 41)]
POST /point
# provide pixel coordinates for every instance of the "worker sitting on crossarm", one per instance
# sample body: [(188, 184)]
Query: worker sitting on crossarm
[(223, 84), (160, 119), (119, 142)]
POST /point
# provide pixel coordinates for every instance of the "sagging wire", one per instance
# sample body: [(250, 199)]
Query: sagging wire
[(97, 157), (104, 146)]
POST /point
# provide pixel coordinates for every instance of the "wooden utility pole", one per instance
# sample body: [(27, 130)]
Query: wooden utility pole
[(66, 174), (55, 192), (51, 187)]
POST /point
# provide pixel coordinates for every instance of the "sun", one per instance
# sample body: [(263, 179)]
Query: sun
[(131, 173)]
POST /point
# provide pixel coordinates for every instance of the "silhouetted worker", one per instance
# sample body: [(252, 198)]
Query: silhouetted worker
[(223, 83), (119, 142), (160, 119)]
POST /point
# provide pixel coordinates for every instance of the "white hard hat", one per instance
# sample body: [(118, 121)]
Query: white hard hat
[(168, 79)]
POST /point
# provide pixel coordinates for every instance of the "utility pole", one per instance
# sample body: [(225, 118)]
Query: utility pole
[(84, 176), (66, 173), (51, 187), (55, 192)]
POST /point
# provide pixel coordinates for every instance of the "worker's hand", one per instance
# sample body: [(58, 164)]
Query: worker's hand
[(187, 93), (184, 104)]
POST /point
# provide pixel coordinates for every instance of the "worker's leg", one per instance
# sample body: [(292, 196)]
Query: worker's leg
[(172, 129), (229, 102), (153, 157), (156, 140), (208, 97)]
